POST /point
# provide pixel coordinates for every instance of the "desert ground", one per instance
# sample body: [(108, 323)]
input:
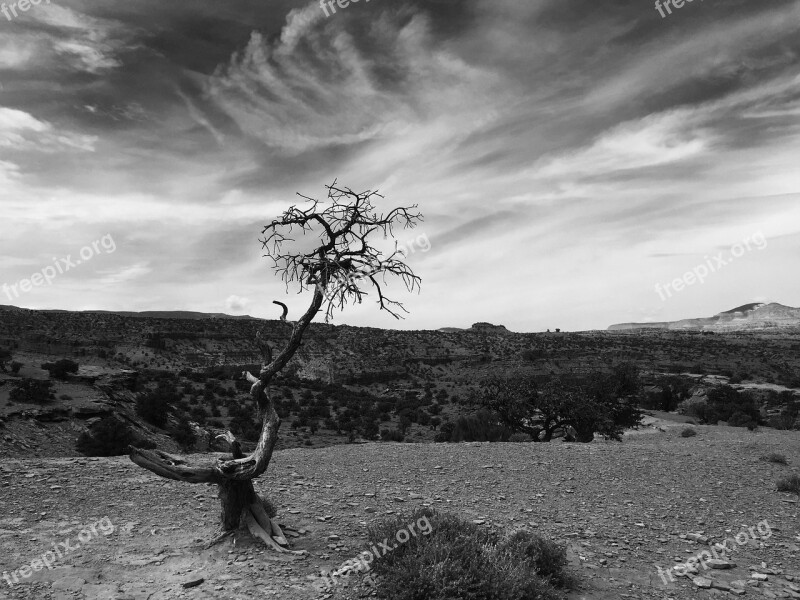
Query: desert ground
[(622, 509)]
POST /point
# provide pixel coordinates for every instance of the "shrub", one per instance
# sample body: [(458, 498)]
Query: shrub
[(153, 409), (739, 419), (726, 403), (244, 427), (478, 427), (31, 391), (520, 437), (392, 435), (790, 484), (688, 432), (546, 558), (109, 437), (459, 559), (695, 406), (15, 367), (775, 457), (61, 368), (5, 356), (183, 433)]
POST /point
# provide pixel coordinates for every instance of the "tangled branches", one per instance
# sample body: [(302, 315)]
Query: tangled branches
[(344, 264)]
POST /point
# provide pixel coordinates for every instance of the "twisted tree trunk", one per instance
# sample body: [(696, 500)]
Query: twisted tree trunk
[(239, 503)]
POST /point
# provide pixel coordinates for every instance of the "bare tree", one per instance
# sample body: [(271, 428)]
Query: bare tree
[(340, 267)]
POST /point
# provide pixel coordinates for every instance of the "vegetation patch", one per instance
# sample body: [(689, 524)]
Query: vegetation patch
[(109, 437), (460, 559), (790, 484), (775, 457)]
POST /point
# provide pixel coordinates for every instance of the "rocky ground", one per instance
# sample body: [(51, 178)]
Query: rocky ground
[(622, 510)]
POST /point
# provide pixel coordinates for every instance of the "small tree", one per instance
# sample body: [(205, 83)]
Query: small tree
[(61, 368), (339, 267), (5, 356), (109, 437), (153, 408), (183, 433), (31, 391), (604, 404)]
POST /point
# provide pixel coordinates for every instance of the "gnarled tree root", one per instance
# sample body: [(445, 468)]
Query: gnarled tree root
[(260, 530)]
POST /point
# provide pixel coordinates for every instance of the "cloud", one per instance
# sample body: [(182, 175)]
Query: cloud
[(22, 131), (321, 85), (237, 304), (123, 275)]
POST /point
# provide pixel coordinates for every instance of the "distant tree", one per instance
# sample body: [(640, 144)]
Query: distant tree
[(481, 426), (725, 401), (61, 368), (370, 429), (603, 403), (5, 356), (405, 424), (31, 391), (154, 408), (199, 414), (109, 437), (392, 435), (435, 422), (183, 433)]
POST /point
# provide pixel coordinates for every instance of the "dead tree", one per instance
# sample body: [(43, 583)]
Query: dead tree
[(340, 267)]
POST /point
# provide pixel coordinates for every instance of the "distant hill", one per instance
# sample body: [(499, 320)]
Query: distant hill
[(746, 317), (147, 314)]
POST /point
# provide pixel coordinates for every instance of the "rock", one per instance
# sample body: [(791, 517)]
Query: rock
[(702, 582), (759, 577), (717, 563), (719, 585)]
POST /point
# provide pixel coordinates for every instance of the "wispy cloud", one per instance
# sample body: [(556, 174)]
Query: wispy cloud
[(567, 155)]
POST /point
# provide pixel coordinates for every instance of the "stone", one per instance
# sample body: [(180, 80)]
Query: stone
[(719, 585), (759, 576), (718, 563), (702, 582)]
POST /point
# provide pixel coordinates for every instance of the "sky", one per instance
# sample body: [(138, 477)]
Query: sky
[(577, 163)]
